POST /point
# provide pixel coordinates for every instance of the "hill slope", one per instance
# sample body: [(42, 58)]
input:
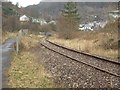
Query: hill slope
[(86, 9)]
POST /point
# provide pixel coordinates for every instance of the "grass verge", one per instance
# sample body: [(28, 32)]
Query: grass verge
[(25, 71), (87, 46)]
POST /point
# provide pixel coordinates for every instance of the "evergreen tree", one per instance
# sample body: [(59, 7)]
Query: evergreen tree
[(68, 23), (71, 11), (17, 5)]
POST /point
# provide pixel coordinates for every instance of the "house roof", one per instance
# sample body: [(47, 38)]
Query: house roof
[(24, 18), (115, 11)]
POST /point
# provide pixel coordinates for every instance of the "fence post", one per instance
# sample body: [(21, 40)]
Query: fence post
[(18, 39), (17, 44)]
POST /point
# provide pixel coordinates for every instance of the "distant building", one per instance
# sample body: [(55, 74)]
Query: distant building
[(34, 20), (24, 18), (92, 26), (86, 27), (52, 22), (39, 21), (115, 14), (43, 22)]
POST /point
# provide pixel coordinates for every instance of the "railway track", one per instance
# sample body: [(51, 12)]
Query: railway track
[(104, 65), (87, 54)]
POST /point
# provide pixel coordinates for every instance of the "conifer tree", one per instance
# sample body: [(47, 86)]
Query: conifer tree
[(71, 11)]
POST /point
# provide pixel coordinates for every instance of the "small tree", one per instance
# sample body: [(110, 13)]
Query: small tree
[(17, 5), (68, 22), (66, 28)]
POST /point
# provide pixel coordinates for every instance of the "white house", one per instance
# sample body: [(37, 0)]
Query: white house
[(24, 18), (103, 24), (43, 22), (39, 21), (92, 25), (86, 27), (52, 22), (115, 14), (34, 20)]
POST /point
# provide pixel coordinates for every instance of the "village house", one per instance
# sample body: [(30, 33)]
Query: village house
[(52, 22), (115, 14), (92, 26), (34, 20), (39, 21), (42, 22), (24, 18)]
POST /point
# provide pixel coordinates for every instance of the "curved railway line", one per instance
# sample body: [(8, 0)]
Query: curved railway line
[(87, 54), (104, 65)]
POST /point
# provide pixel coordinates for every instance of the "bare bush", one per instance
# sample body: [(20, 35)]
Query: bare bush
[(45, 28), (10, 23), (53, 27), (67, 28)]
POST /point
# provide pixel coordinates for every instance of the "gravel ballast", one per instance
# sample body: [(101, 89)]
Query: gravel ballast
[(70, 74)]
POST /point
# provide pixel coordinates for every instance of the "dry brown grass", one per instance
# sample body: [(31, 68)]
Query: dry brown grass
[(67, 28), (7, 35), (26, 72), (88, 46), (102, 43), (30, 40)]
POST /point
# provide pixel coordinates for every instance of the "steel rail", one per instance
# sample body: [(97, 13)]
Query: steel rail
[(87, 54), (116, 75)]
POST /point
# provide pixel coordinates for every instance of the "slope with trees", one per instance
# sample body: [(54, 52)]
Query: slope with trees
[(10, 17)]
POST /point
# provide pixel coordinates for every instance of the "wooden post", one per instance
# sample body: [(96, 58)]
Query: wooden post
[(17, 44), (18, 41)]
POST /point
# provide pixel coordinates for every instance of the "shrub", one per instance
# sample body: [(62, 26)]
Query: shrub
[(10, 23), (67, 28)]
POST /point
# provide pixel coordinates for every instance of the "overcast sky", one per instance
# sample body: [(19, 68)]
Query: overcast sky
[(25, 3)]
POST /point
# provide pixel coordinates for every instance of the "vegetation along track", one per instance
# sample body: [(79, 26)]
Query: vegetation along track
[(105, 65)]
